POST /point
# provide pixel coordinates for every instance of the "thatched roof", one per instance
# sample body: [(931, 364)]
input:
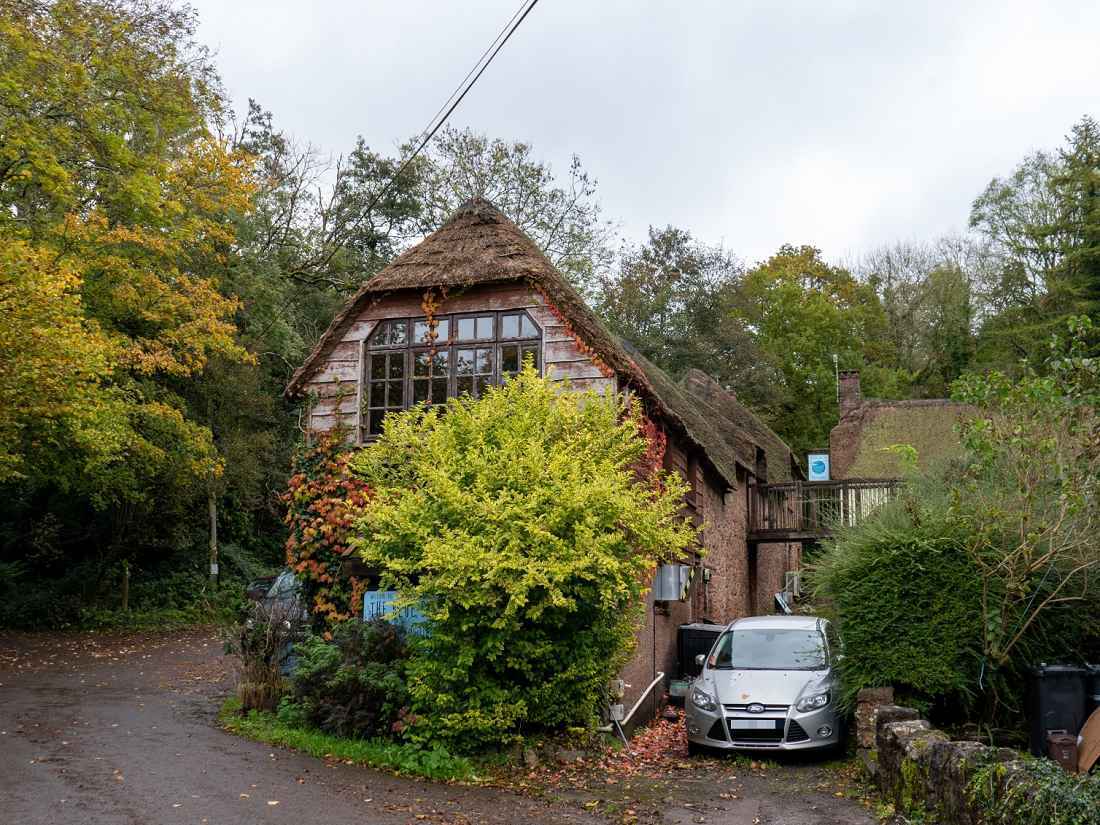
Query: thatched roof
[(741, 426), (864, 443), (479, 245)]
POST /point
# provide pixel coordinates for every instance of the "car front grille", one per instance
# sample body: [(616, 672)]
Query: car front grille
[(767, 708)]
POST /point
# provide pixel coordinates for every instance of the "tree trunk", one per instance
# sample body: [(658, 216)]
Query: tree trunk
[(212, 505), (125, 587)]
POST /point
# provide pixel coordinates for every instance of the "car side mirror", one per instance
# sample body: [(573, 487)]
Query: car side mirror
[(700, 659)]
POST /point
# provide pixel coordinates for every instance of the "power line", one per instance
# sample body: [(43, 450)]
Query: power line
[(474, 67), (437, 121)]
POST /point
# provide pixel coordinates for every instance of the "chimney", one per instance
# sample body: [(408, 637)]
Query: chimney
[(848, 391)]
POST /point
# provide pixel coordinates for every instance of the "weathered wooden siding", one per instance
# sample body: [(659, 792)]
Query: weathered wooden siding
[(337, 386)]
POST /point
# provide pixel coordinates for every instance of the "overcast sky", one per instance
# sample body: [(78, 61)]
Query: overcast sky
[(841, 124)]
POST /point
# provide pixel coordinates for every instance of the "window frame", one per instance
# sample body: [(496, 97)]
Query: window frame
[(452, 345)]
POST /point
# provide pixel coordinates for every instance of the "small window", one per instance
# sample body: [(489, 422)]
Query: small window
[(473, 370), (422, 331), (430, 373), (385, 391), (517, 325), (476, 328), (390, 334), (514, 356)]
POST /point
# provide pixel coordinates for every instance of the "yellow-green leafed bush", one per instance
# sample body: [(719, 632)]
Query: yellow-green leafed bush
[(519, 526)]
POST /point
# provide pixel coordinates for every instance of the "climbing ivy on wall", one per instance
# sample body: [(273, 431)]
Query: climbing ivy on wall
[(323, 500)]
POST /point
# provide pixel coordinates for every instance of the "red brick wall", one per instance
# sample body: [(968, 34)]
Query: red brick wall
[(724, 598), (772, 562), (725, 514)]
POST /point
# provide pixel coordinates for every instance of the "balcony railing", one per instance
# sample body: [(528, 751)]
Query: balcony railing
[(801, 510)]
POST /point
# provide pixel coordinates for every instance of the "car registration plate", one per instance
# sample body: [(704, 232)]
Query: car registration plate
[(752, 724)]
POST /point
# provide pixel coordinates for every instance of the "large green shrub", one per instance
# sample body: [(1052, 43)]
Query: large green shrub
[(907, 599), (354, 685), (518, 525)]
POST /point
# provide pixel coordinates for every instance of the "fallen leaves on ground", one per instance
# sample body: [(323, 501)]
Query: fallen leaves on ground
[(653, 753)]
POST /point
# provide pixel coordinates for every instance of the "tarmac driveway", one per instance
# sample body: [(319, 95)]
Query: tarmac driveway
[(120, 730)]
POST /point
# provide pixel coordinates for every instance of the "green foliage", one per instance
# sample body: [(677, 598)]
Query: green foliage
[(672, 298), (801, 312), (1028, 497), (984, 568), (1037, 792), (1043, 222), (907, 599), (353, 686), (402, 758), (516, 524)]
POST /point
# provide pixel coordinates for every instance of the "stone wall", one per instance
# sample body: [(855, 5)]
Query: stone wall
[(920, 768)]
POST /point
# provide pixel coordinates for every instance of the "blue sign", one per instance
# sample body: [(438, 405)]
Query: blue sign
[(818, 465), (380, 604)]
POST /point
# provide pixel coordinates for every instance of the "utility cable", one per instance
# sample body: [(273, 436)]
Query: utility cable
[(437, 122)]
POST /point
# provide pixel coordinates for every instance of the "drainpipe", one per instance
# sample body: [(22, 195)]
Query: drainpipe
[(611, 728)]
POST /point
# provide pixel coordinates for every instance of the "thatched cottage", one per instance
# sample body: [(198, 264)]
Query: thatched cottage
[(865, 441), (497, 300)]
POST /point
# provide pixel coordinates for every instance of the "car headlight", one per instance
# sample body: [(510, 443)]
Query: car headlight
[(814, 702), (703, 700)]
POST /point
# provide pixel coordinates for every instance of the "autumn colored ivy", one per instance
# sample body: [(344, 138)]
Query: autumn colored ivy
[(323, 501)]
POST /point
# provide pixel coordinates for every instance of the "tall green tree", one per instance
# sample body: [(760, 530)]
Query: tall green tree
[(672, 297), (801, 312), (932, 294), (108, 167), (1043, 221), (119, 204), (562, 216)]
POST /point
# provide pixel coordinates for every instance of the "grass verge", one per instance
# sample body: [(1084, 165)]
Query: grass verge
[(399, 758)]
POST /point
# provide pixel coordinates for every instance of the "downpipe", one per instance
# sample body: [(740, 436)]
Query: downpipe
[(617, 727)]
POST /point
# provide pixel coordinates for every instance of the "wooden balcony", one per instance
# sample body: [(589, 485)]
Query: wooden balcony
[(809, 510)]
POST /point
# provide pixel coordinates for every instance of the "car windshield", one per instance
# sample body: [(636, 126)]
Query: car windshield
[(770, 649)]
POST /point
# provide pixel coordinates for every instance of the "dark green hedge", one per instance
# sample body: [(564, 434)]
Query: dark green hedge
[(907, 601)]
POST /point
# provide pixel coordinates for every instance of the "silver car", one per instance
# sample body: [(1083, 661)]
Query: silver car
[(768, 684)]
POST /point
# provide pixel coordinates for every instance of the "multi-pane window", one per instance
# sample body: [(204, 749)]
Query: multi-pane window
[(431, 371), (411, 360), (474, 370), (386, 388)]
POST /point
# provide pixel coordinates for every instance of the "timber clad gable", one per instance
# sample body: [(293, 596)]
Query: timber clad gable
[(337, 385)]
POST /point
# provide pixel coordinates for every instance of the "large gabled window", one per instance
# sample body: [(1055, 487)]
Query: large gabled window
[(414, 360)]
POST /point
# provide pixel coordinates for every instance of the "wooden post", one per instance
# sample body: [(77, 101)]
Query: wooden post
[(212, 507), (125, 586)]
